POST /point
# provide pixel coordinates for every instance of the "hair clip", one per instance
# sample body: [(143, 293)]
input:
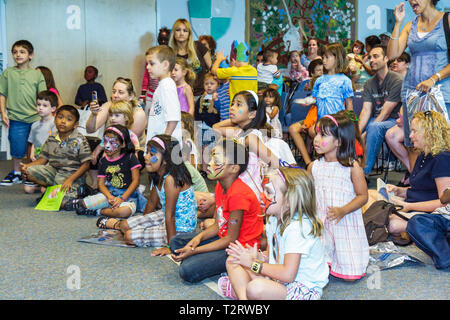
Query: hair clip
[(349, 114)]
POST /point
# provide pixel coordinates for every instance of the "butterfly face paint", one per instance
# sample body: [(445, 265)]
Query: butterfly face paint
[(216, 166), (111, 144), (151, 159)]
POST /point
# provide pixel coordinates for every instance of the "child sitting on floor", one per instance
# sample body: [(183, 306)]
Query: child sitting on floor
[(64, 159), (293, 267), (118, 178), (237, 217), (171, 186)]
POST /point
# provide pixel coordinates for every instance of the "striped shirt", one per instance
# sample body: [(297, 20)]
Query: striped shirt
[(67, 155), (224, 101)]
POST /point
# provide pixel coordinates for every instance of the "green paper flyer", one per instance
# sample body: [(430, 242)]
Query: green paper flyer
[(51, 201)]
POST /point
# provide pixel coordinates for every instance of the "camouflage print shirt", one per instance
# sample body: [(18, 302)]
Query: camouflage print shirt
[(67, 155)]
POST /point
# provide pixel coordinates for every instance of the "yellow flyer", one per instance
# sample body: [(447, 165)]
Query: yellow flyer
[(51, 201)]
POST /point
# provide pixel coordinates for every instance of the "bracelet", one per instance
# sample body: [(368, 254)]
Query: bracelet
[(439, 76), (394, 38), (434, 82)]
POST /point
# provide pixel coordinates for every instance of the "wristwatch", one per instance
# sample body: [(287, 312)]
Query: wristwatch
[(256, 266)]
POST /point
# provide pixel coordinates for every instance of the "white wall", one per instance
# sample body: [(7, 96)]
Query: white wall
[(68, 35)]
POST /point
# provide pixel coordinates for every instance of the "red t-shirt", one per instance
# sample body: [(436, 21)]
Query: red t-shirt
[(240, 197)]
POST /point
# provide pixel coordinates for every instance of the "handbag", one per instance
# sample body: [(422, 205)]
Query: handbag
[(376, 220)]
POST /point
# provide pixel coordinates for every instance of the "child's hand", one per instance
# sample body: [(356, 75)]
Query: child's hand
[(335, 213), (215, 96), (5, 119), (221, 56), (67, 185), (116, 202), (23, 169), (303, 127), (187, 251), (161, 252), (240, 255)]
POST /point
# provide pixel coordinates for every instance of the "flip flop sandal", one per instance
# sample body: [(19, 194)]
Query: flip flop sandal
[(101, 223), (229, 291)]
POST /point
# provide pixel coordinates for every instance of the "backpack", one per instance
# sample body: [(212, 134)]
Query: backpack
[(376, 220)]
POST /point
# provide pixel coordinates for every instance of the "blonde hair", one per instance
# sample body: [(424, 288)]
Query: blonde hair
[(436, 131), (301, 196), (123, 107), (190, 74), (130, 89), (190, 48), (188, 122)]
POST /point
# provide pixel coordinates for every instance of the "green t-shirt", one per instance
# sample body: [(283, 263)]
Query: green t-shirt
[(20, 87), (199, 183)]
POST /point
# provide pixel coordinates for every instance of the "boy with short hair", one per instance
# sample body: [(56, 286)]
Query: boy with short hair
[(19, 86), (164, 115), (84, 92), (64, 159), (238, 217), (46, 104), (241, 74)]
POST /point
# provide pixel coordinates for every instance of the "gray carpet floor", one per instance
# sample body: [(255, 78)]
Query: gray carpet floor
[(39, 253)]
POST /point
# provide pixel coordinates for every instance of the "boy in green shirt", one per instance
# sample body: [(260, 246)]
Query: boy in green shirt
[(19, 86)]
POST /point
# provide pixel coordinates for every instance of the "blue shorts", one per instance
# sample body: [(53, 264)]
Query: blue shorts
[(18, 138)]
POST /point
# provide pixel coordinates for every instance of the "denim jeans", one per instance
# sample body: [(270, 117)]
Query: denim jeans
[(200, 266), (374, 139), (431, 233), (18, 138)]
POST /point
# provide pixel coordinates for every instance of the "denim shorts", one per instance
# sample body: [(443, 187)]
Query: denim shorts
[(18, 138)]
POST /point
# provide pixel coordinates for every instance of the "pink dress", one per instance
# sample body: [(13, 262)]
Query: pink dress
[(345, 243)]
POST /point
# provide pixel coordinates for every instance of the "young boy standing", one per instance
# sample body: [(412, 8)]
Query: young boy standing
[(64, 159), (238, 217), (164, 114), (19, 86), (46, 104), (241, 74)]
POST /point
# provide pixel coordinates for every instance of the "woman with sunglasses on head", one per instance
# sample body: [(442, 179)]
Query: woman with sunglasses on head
[(430, 134)]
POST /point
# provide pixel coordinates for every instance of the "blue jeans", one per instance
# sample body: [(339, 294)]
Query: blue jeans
[(374, 139), (18, 138), (200, 266), (431, 233)]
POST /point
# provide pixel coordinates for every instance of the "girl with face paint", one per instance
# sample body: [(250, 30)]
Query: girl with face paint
[(171, 187), (294, 266), (118, 179), (341, 191)]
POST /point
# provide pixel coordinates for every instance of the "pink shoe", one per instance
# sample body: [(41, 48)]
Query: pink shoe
[(229, 291)]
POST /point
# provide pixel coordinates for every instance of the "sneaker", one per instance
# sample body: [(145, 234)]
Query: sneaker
[(72, 205), (30, 184), (11, 179), (85, 212)]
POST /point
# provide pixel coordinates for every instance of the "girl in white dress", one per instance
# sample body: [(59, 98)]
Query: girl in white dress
[(341, 191)]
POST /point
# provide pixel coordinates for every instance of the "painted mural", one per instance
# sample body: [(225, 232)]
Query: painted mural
[(274, 23)]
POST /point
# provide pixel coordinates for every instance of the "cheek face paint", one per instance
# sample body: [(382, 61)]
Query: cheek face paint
[(216, 166), (324, 143), (111, 144), (154, 159)]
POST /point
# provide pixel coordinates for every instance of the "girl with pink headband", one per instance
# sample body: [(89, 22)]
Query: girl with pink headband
[(341, 191), (118, 179)]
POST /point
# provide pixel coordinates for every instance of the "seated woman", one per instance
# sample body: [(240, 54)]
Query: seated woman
[(430, 134)]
